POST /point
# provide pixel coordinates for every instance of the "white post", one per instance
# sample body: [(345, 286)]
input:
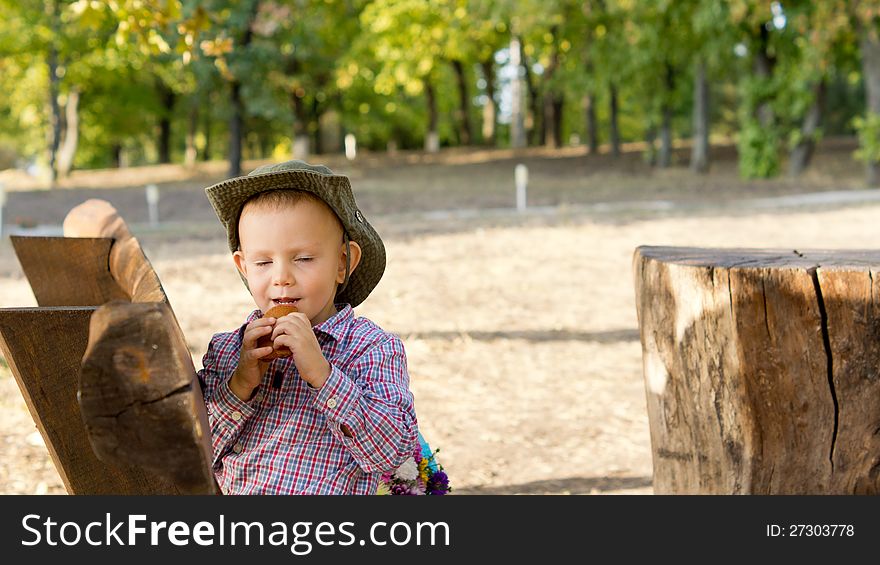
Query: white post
[(2, 205), (350, 146), (153, 204), (521, 175)]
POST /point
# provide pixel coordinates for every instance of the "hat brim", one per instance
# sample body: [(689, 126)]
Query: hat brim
[(228, 198)]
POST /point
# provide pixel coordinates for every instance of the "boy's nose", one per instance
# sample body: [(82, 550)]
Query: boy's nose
[(283, 276)]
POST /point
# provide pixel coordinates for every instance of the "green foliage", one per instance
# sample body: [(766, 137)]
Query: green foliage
[(758, 150), (868, 128), (368, 61)]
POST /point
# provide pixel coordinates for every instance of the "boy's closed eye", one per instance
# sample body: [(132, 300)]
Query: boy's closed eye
[(298, 260)]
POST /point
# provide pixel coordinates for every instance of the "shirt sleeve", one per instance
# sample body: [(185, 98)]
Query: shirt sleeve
[(374, 403), (227, 414)]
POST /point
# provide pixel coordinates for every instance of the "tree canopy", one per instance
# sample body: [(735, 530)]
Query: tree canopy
[(99, 84)]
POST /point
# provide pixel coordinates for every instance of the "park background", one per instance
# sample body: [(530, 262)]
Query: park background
[(693, 122)]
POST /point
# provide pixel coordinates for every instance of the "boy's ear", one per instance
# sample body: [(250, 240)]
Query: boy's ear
[(238, 258), (355, 261)]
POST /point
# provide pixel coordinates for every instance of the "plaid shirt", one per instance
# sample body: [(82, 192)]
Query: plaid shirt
[(288, 439)]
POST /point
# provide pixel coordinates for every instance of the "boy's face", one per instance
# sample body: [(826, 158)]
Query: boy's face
[(295, 255)]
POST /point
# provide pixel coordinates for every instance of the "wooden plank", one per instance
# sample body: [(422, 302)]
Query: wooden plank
[(140, 397), (68, 272), (127, 263), (761, 369), (44, 348)]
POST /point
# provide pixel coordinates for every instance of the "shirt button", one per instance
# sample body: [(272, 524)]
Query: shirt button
[(258, 397), (237, 448), (331, 403), (236, 415)]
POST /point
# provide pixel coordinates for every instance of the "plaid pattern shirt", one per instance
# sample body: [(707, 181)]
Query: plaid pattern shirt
[(288, 438)]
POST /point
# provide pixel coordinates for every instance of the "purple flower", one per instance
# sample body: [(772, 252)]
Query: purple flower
[(404, 490), (438, 483)]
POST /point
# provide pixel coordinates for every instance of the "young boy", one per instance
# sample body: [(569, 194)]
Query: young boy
[(337, 412)]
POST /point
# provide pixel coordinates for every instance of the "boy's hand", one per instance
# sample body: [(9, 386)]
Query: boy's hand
[(251, 367), (295, 331)]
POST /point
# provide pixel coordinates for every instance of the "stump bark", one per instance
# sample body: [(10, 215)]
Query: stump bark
[(762, 369)]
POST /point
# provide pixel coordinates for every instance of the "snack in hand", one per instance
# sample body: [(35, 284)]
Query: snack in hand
[(266, 341)]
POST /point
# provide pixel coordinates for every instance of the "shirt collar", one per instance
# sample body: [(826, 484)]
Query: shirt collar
[(334, 326)]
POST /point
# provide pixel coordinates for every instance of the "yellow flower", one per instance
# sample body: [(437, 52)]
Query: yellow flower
[(423, 470), (383, 489)]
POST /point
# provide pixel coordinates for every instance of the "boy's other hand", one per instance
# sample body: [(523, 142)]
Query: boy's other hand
[(251, 367), (295, 332)]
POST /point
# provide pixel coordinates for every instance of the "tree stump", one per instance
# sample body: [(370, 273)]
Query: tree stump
[(762, 369)]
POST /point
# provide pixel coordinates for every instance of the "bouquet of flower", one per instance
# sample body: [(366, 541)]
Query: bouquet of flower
[(418, 474)]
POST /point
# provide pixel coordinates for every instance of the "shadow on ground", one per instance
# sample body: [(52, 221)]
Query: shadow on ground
[(573, 485), (607, 336)]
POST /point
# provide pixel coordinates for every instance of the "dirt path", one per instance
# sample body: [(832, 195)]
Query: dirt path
[(521, 340)]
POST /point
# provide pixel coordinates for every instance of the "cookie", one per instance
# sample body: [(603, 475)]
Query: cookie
[(266, 341)]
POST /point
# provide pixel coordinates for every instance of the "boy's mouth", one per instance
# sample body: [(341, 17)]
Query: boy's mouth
[(291, 301)]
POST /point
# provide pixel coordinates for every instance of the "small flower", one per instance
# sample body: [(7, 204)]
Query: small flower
[(403, 490), (408, 470), (383, 489), (438, 484)]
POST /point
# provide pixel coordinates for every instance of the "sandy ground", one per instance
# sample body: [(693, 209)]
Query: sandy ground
[(521, 337)]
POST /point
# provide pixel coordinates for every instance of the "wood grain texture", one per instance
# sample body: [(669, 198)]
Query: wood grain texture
[(762, 369), (68, 272), (140, 396), (44, 347), (127, 263)]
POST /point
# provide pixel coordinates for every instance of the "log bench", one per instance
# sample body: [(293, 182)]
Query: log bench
[(103, 365), (762, 369)]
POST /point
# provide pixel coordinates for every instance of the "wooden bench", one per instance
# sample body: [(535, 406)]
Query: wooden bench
[(103, 365)]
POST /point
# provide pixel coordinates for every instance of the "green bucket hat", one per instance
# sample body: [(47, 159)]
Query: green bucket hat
[(228, 199)]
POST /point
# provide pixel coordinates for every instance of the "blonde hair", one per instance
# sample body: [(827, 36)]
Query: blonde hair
[(285, 198)]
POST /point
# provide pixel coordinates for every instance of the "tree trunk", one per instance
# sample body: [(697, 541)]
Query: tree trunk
[(67, 151), (700, 147), (870, 47), (432, 137), (463, 114), (615, 133), (650, 145), (764, 64), (236, 120), (54, 89), (189, 157), (206, 131), (533, 126), (803, 151), (551, 136), (553, 103), (116, 155), (517, 106), (317, 112), (592, 126), (236, 129), (664, 159), (760, 369), (168, 97), (301, 138), (489, 113)]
